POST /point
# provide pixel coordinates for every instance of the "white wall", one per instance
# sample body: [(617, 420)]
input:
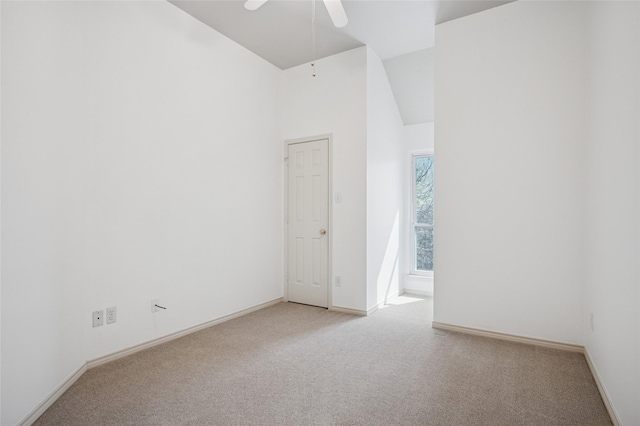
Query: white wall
[(129, 129), (384, 185), (411, 79), (187, 165), (613, 196), (334, 102), (510, 130), (565, 101), (44, 158), (417, 138)]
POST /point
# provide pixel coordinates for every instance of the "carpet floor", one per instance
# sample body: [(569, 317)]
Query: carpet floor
[(293, 364)]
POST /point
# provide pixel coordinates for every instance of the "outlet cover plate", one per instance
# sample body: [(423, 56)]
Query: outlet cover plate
[(111, 315), (98, 318)]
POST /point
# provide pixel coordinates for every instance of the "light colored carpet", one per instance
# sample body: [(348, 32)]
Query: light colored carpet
[(292, 364)]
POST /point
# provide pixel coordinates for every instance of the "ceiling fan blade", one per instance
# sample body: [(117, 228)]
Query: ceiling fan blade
[(254, 4), (336, 12)]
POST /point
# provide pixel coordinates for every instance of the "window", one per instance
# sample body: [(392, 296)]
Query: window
[(423, 213)]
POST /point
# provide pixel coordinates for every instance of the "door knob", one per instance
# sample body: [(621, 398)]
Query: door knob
[(323, 232)]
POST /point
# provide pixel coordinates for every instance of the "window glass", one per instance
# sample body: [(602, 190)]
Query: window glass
[(424, 249), (424, 190), (423, 213)]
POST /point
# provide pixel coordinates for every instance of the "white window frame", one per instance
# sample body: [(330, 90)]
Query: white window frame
[(413, 224)]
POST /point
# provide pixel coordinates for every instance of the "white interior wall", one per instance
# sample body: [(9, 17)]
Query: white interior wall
[(605, 118), (384, 185), (334, 102), (187, 167), (417, 138), (613, 212), (94, 209), (411, 78), (129, 129), (511, 124), (44, 158)]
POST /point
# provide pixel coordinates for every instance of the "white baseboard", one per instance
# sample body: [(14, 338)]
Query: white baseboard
[(603, 391), (151, 343), (373, 309), (509, 337), (53, 397), (57, 393), (364, 313), (348, 311)]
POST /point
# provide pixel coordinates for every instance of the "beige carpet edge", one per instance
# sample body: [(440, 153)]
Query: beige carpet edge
[(543, 343), (151, 343), (30, 418)]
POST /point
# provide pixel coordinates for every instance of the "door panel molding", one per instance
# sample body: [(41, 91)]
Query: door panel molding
[(316, 243)]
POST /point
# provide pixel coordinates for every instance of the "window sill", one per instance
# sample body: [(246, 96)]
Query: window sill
[(428, 276)]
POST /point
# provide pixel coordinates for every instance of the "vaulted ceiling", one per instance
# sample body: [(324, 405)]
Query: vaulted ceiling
[(280, 32)]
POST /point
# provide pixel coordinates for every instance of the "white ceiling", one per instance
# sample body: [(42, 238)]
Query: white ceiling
[(280, 30), (401, 32)]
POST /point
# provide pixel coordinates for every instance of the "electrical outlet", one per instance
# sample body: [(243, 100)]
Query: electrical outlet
[(111, 315), (338, 281), (98, 318)]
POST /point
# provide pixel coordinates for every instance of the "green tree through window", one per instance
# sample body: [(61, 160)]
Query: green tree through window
[(423, 213)]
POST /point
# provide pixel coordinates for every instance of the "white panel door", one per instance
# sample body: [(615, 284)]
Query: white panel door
[(308, 220)]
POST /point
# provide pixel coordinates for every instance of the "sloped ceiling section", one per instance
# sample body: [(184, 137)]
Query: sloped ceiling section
[(279, 31), (411, 80), (400, 32)]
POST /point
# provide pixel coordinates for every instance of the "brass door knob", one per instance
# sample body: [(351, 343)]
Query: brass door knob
[(323, 232)]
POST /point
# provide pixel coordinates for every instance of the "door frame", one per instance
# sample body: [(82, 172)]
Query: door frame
[(285, 215)]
